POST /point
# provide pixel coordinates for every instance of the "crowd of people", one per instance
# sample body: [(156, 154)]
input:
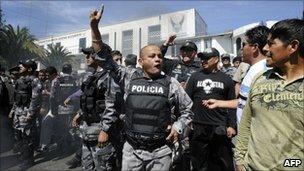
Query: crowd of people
[(200, 111)]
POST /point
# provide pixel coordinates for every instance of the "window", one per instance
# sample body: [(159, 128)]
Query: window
[(207, 43), (82, 43), (58, 44), (238, 45), (175, 50), (105, 38), (198, 45), (154, 34), (127, 42)]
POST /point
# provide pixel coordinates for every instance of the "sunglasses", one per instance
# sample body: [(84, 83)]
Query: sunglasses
[(246, 43), (186, 53)]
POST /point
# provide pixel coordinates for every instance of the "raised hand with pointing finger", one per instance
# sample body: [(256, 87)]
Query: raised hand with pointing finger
[(95, 16)]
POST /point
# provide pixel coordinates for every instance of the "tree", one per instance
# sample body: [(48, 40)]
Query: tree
[(18, 44), (56, 56)]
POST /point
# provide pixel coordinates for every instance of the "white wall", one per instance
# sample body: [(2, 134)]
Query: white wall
[(190, 18), (222, 44), (181, 23), (192, 25)]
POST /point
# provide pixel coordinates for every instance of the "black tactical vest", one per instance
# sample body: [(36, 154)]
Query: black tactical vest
[(23, 92), (92, 101), (67, 87), (183, 72), (148, 108)]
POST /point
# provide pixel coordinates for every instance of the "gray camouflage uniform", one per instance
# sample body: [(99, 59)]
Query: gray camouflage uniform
[(159, 158), (25, 129), (93, 156), (229, 71)]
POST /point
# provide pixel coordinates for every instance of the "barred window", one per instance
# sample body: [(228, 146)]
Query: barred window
[(105, 38), (58, 44), (238, 45), (175, 50), (207, 43), (154, 34), (127, 42), (198, 45), (82, 43)]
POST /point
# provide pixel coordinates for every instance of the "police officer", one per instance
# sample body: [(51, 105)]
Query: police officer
[(97, 118), (227, 68), (181, 68), (49, 121), (27, 101), (67, 85), (76, 160), (13, 77), (117, 56), (237, 61), (149, 99)]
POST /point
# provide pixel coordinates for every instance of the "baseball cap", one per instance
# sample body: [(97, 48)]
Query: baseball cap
[(189, 46), (208, 53), (225, 56)]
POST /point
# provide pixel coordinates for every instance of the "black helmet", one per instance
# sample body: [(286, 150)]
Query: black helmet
[(67, 68), (29, 64)]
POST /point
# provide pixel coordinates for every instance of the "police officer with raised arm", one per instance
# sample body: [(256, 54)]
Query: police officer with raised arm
[(185, 65), (149, 98), (181, 69)]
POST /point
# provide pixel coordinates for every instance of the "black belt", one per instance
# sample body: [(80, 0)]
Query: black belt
[(90, 143), (148, 144)]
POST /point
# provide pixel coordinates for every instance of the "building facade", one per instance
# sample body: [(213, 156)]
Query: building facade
[(130, 36)]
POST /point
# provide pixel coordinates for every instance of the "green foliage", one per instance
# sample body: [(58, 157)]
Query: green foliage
[(56, 56), (18, 44)]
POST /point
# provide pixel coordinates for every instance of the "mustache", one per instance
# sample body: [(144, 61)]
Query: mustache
[(269, 54)]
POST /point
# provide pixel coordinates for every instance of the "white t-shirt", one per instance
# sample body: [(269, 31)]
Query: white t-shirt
[(245, 86)]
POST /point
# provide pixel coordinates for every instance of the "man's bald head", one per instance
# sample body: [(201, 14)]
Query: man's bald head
[(147, 47), (151, 60)]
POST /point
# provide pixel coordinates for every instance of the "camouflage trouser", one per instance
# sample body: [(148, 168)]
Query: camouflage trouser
[(159, 159), (25, 133), (97, 158)]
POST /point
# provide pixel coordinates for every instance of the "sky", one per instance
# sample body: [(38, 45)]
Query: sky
[(46, 18)]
